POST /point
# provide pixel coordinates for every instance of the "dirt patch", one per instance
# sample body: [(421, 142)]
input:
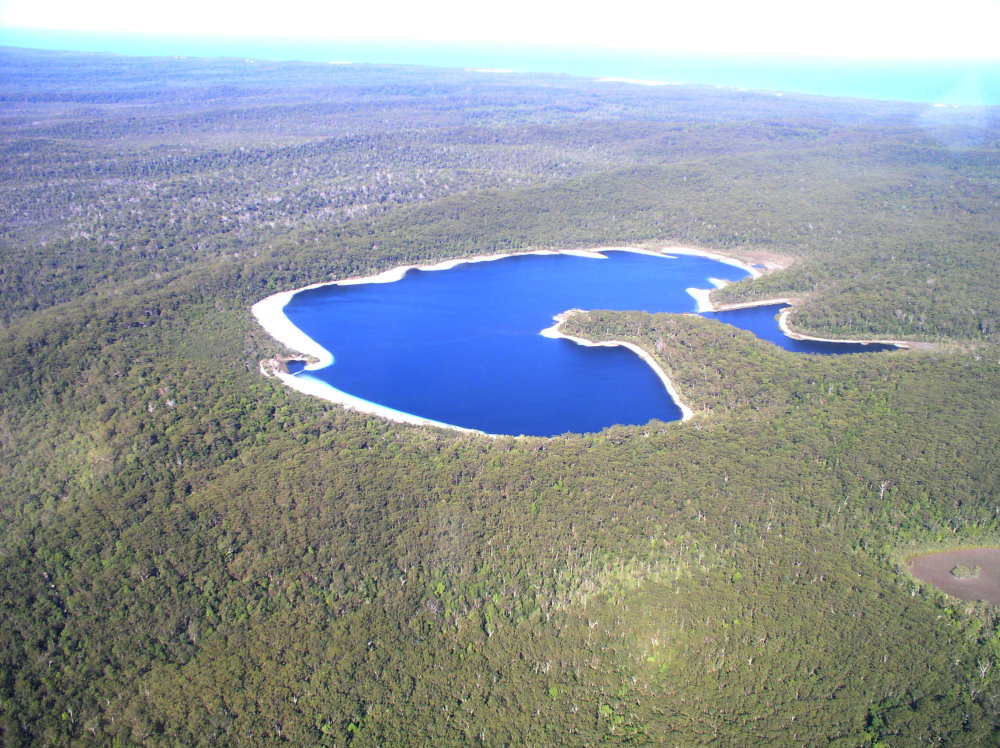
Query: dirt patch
[(770, 260), (968, 573), (921, 345)]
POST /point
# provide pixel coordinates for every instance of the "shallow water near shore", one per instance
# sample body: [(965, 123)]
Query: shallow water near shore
[(462, 346)]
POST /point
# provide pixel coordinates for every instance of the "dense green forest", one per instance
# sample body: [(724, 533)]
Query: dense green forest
[(194, 554)]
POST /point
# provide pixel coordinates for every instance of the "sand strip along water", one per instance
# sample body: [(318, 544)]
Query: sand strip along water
[(270, 315), (324, 391), (704, 303), (783, 325), (754, 272), (701, 295)]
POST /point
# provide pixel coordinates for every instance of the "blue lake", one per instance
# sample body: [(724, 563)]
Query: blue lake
[(462, 346)]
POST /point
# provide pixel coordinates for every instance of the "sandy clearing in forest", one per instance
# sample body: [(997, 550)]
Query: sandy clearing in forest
[(936, 569)]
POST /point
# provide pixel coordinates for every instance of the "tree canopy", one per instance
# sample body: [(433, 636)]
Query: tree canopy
[(193, 554)]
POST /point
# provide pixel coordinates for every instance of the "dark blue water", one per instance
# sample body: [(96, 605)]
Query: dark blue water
[(462, 346), (762, 322), (966, 82)]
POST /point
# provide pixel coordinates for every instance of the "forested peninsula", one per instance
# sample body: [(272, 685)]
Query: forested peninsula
[(193, 553)]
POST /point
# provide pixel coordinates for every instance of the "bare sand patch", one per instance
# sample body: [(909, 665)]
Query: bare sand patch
[(967, 573)]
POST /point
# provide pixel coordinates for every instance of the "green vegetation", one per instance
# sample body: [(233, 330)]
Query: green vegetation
[(192, 553), (964, 572)]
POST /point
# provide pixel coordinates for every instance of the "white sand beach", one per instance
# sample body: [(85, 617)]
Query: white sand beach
[(324, 391), (593, 254), (749, 304), (755, 272), (638, 81), (702, 296), (701, 300), (270, 315)]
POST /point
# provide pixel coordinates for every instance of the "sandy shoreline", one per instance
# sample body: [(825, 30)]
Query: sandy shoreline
[(667, 251), (705, 304), (701, 296), (783, 325), (783, 316), (751, 304), (554, 332), (269, 313), (318, 388)]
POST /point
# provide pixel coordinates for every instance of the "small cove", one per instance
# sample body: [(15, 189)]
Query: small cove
[(461, 346)]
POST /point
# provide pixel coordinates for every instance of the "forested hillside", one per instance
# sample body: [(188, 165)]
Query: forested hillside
[(194, 554)]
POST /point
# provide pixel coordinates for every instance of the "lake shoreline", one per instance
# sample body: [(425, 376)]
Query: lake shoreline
[(269, 313), (554, 332), (785, 326), (275, 367)]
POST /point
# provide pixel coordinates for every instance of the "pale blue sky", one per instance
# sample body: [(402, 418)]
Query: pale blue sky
[(846, 28)]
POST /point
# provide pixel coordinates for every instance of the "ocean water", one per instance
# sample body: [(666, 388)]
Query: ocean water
[(462, 346), (960, 82)]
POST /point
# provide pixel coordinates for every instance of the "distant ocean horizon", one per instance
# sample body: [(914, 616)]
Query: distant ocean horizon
[(940, 82)]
